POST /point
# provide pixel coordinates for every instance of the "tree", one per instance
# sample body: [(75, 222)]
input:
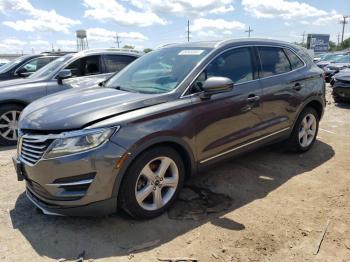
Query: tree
[(345, 44), (147, 50), (128, 47), (332, 46)]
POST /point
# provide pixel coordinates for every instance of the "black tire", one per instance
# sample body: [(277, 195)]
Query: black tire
[(3, 109), (293, 142), (338, 99), (127, 198)]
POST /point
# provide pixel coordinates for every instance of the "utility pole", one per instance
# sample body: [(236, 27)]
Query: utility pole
[(303, 37), (338, 36), (116, 39), (249, 31), (343, 22), (188, 30)]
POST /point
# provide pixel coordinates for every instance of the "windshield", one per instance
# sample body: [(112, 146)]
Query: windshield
[(330, 57), (342, 59), (159, 71), (11, 64), (50, 67)]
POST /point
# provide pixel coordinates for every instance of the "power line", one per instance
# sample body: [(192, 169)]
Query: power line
[(249, 31), (116, 39), (343, 22)]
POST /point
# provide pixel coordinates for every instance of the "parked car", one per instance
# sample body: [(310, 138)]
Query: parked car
[(340, 63), (341, 86), (328, 58), (172, 112), (83, 69), (3, 62), (26, 65)]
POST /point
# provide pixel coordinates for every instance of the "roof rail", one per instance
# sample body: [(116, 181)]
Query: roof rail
[(113, 49), (164, 45)]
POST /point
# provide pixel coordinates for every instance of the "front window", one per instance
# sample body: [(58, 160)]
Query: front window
[(35, 64), (342, 59), (51, 67), (12, 64), (159, 71)]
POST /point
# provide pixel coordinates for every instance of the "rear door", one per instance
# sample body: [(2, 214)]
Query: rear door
[(282, 82), (229, 119)]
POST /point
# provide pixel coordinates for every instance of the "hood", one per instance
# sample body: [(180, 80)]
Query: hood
[(20, 81), (76, 108), (338, 65)]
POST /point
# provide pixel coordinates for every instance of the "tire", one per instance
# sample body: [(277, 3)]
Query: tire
[(8, 129), (297, 144), (135, 183), (338, 99)]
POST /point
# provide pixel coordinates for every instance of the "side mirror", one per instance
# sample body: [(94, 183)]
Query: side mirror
[(22, 72), (216, 85), (63, 74)]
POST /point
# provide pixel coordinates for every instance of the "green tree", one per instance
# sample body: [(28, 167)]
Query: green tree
[(128, 47), (147, 50), (332, 46), (345, 44)]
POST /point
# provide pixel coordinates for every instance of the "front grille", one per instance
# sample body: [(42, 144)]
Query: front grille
[(32, 148)]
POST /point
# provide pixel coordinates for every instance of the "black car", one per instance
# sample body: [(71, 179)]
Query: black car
[(336, 66), (341, 86), (26, 65), (134, 141)]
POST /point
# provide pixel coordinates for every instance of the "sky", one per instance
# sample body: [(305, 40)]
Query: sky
[(32, 26)]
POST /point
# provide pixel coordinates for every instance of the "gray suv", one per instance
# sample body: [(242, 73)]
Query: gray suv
[(83, 69), (134, 142)]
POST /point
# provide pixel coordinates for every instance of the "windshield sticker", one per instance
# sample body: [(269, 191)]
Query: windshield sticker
[(191, 52)]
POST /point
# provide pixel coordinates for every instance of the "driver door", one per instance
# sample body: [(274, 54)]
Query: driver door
[(227, 120)]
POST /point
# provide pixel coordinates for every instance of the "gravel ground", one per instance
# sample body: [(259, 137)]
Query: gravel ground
[(268, 205)]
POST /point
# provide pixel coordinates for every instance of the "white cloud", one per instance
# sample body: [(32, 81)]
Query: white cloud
[(12, 45), (111, 10), (186, 8), (281, 8), (40, 20), (332, 17), (39, 42), (104, 35), (217, 24)]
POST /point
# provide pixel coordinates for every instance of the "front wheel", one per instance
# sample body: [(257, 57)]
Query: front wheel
[(152, 183), (9, 115), (305, 131)]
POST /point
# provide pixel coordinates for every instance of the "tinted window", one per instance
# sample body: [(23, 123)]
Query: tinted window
[(115, 63), (236, 65), (294, 59), (273, 61), (36, 63), (85, 66)]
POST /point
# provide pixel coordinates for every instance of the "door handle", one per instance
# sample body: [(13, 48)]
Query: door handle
[(297, 87), (253, 98)]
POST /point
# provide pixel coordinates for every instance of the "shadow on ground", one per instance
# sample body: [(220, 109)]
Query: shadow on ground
[(242, 179)]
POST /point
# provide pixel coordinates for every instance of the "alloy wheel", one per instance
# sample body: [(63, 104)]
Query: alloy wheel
[(307, 130), (9, 125), (157, 183)]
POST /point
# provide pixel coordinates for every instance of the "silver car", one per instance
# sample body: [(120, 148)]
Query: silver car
[(83, 69)]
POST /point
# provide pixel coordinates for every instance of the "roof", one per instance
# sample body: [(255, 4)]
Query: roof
[(111, 50), (217, 44)]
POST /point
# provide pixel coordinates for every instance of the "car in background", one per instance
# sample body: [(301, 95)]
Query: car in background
[(83, 69), (26, 65), (341, 86), (3, 62), (328, 58), (338, 64), (133, 142)]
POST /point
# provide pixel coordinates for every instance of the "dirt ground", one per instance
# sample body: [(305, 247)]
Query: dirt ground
[(268, 205)]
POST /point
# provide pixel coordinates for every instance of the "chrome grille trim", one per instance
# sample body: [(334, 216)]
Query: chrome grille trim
[(31, 148)]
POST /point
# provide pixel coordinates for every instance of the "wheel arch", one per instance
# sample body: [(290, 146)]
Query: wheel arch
[(314, 102), (14, 102), (178, 144)]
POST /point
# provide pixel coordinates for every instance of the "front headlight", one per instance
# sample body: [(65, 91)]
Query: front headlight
[(78, 141)]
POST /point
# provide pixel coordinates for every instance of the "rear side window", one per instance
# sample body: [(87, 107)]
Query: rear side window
[(115, 63), (85, 66), (294, 59), (236, 65), (273, 61)]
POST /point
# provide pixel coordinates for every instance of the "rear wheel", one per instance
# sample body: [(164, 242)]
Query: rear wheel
[(305, 131), (9, 115), (152, 182)]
